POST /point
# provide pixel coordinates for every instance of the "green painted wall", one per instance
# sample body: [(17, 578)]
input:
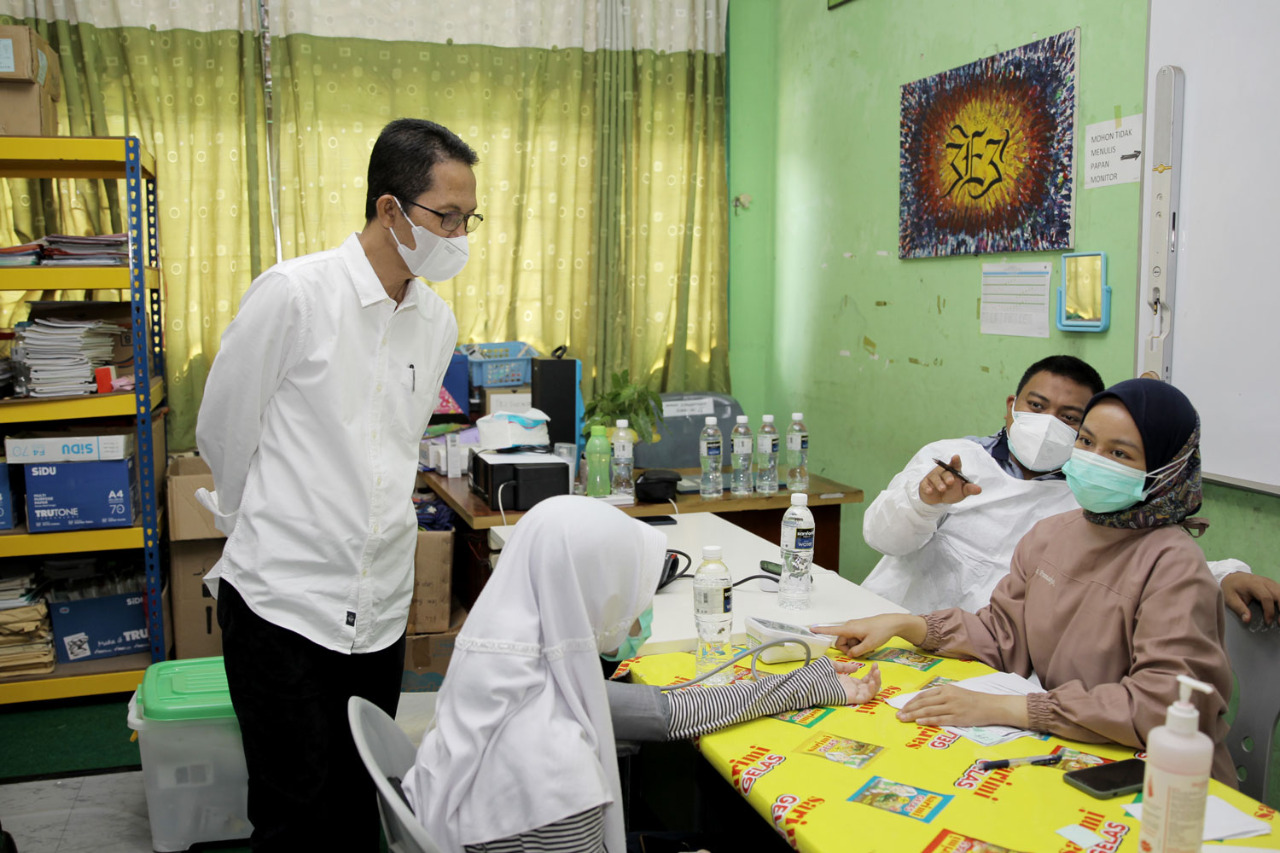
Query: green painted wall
[(885, 355)]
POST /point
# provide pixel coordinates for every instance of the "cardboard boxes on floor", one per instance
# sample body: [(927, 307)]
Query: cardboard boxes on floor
[(30, 84)]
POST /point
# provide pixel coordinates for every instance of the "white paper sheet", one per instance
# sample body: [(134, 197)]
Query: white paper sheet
[(1015, 299)]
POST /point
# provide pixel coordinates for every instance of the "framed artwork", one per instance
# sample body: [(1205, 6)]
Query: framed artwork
[(987, 154)]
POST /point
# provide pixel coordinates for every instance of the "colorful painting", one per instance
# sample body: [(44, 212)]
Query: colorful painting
[(987, 159)]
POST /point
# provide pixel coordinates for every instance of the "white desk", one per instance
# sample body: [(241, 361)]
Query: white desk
[(835, 599)]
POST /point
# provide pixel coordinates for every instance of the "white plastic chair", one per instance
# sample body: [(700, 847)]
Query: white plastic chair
[(388, 755), (1253, 649)]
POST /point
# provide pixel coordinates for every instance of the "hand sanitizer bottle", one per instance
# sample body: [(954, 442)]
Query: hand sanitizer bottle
[(1176, 786)]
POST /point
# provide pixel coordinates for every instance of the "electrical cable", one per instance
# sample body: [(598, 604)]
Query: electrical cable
[(754, 651), (500, 509)]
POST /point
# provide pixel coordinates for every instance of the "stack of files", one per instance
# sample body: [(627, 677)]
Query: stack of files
[(57, 358), (26, 634), (6, 373), (26, 255), (65, 250)]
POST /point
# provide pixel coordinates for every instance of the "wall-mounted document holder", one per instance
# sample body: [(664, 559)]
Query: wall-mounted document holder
[(1084, 297)]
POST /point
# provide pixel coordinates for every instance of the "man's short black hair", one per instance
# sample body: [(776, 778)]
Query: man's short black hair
[(1067, 366), (404, 155)]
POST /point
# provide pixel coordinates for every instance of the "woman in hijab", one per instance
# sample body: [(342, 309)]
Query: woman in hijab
[(521, 754), (1107, 605)]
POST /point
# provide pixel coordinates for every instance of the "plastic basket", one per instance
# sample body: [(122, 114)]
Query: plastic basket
[(495, 365)]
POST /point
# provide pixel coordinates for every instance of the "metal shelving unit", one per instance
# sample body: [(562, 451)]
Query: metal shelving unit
[(114, 158)]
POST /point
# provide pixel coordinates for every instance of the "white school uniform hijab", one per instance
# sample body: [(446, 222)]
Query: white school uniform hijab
[(522, 736)]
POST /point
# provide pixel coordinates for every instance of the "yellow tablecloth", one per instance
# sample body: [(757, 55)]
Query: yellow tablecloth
[(856, 779)]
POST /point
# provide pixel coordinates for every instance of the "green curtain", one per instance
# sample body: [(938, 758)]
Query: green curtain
[(601, 178), (194, 99)]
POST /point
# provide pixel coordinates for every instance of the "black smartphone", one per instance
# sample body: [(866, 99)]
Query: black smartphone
[(658, 519), (1105, 781), (771, 567)]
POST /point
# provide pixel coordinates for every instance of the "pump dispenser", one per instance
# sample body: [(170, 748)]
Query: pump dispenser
[(1176, 785)]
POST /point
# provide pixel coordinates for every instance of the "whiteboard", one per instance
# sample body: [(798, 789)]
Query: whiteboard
[(1226, 299)]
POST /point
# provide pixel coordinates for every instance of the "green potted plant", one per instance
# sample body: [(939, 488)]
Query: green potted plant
[(625, 399)]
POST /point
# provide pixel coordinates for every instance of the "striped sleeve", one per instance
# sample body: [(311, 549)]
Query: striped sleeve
[(698, 710), (580, 833)]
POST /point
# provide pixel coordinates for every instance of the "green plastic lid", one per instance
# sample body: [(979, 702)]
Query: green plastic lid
[(194, 689)]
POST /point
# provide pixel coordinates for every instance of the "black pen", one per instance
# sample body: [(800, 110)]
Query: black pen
[(945, 467), (1001, 763), (413, 381)]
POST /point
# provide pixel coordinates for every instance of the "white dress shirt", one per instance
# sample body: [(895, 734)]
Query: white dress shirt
[(311, 420)]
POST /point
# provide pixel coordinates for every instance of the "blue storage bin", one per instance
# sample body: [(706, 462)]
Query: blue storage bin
[(495, 365)]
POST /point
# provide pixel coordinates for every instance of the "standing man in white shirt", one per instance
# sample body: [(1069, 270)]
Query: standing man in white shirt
[(311, 420), (948, 539)]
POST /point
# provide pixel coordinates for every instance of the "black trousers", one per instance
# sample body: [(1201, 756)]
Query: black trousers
[(308, 789)]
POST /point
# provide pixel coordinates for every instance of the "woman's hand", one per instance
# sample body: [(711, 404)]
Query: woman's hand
[(858, 690), (858, 637), (949, 705)]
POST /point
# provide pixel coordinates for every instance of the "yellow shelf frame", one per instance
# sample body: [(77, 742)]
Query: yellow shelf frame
[(69, 157), (91, 678), (73, 278), (116, 404), (19, 543)]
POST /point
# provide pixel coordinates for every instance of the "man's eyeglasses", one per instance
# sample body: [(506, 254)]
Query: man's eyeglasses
[(450, 221)]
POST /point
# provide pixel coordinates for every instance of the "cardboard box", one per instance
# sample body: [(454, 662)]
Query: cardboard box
[(81, 495), (432, 574), (187, 518), (30, 84), (515, 398), (100, 627), (70, 445), (7, 515), (426, 656), (195, 611)]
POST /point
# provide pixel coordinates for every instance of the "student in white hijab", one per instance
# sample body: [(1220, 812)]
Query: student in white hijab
[(522, 748)]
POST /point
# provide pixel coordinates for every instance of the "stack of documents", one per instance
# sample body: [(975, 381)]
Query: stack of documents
[(56, 358), (6, 373), (65, 250), (26, 634), (26, 255)]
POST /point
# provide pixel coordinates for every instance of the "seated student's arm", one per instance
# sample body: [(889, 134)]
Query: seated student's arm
[(1176, 632), (906, 514), (645, 713), (1239, 588)]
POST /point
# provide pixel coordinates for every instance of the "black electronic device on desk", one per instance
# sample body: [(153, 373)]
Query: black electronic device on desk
[(517, 481)]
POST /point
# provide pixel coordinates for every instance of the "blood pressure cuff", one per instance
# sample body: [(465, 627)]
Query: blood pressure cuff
[(656, 485)]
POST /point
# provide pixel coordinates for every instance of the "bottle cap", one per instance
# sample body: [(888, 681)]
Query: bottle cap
[(767, 418), (799, 499), (712, 552), (742, 419), (710, 420), (598, 429), (797, 416), (622, 423)]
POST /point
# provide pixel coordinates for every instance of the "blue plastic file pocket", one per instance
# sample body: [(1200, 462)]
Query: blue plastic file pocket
[(1084, 297)]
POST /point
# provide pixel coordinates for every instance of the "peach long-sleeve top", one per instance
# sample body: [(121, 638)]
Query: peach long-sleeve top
[(1107, 618)]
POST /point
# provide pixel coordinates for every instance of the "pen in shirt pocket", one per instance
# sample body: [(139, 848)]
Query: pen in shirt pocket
[(413, 378)]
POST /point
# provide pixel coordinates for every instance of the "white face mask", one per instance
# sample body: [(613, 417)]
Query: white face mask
[(1039, 441), (433, 257)]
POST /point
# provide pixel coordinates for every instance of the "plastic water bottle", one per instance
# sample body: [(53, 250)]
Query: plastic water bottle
[(624, 442), (796, 586), (767, 457), (713, 613), (598, 463), (740, 483), (709, 445), (797, 454)]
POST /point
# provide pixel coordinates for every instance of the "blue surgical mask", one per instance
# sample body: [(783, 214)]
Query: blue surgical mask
[(1101, 484), (635, 639), (1104, 485)]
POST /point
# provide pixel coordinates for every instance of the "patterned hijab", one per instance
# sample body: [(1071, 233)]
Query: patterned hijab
[(1170, 429)]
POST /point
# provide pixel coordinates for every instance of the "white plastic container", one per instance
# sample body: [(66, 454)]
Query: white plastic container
[(192, 756), (1176, 785)]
